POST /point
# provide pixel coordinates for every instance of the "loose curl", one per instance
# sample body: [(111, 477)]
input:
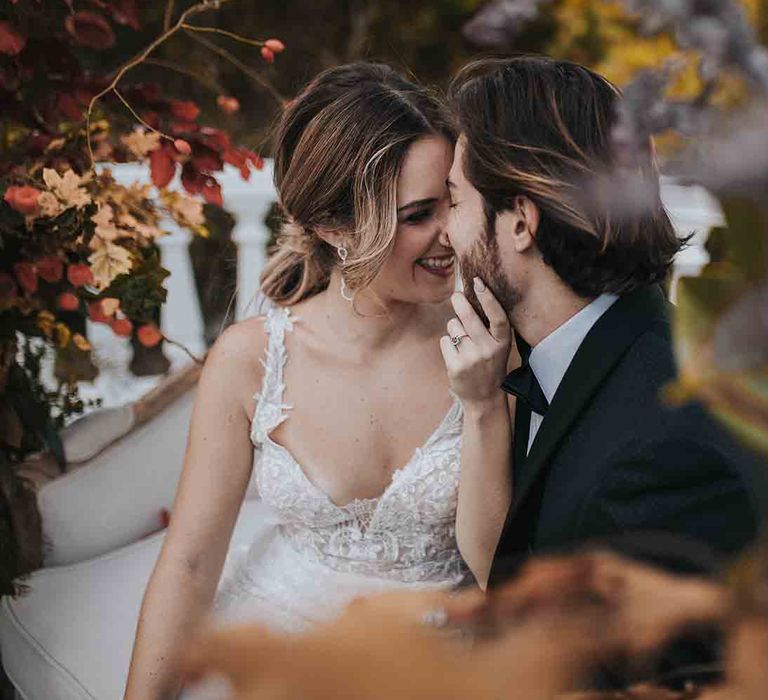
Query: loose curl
[(338, 151)]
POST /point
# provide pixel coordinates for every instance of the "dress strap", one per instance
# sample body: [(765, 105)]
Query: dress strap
[(270, 410)]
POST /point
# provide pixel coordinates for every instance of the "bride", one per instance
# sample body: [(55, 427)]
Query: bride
[(334, 407)]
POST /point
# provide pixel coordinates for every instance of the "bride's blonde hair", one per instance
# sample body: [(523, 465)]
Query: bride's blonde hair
[(338, 151)]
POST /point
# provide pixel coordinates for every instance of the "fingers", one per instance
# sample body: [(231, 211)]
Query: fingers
[(450, 356), (468, 317), (499, 328), (456, 329)]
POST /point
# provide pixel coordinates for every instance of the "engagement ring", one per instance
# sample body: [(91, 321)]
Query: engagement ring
[(456, 340)]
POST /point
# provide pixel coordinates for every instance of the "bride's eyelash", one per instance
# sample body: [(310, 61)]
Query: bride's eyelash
[(419, 216)]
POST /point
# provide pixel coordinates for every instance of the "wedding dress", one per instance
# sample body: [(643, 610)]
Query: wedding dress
[(322, 555)]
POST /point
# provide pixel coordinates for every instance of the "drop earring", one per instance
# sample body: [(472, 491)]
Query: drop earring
[(343, 253)]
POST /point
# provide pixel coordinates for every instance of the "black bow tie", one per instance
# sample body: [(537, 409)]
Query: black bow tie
[(522, 382)]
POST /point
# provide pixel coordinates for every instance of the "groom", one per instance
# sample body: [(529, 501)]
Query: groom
[(597, 454)]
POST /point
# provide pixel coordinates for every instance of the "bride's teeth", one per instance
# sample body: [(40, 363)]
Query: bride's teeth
[(436, 262)]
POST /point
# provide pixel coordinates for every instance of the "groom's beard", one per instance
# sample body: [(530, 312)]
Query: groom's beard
[(482, 260)]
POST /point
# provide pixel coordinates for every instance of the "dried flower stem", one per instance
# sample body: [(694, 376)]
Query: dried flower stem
[(138, 118), (168, 15), (224, 32), (239, 64), (206, 81), (136, 60)]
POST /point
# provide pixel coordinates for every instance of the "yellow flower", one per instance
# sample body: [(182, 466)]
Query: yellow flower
[(80, 342), (63, 335)]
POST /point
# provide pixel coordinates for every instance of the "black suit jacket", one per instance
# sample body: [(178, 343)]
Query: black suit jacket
[(610, 458)]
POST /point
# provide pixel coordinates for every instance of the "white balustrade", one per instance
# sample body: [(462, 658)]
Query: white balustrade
[(692, 210), (249, 201)]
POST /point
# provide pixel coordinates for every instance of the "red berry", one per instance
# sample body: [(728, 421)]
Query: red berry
[(149, 335), (267, 54), (96, 313), (121, 326), (22, 199), (182, 147), (79, 274), (275, 45), (228, 105), (68, 301)]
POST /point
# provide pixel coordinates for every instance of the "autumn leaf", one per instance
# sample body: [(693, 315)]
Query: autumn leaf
[(162, 166), (67, 187), (107, 262), (140, 142), (186, 211), (90, 29), (186, 110), (105, 227), (124, 12), (12, 40)]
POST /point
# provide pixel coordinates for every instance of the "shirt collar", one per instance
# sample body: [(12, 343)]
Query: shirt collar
[(551, 358)]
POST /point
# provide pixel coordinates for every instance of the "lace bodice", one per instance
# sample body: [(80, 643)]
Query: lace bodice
[(406, 534)]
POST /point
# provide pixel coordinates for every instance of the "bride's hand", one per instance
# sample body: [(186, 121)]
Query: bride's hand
[(477, 362)]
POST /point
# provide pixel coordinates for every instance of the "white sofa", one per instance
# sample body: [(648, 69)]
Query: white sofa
[(70, 636)]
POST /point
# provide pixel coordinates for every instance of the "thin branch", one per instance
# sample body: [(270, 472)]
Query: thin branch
[(136, 60), (206, 81), (133, 112), (224, 32), (168, 15), (194, 357), (239, 64)]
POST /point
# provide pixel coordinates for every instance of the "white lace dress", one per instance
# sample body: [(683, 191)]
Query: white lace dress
[(322, 555)]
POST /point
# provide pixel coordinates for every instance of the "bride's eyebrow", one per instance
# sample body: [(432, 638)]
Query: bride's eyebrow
[(417, 203)]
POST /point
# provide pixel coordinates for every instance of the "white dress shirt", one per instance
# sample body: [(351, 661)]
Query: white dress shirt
[(551, 358)]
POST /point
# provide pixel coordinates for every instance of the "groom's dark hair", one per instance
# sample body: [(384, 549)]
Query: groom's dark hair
[(542, 128)]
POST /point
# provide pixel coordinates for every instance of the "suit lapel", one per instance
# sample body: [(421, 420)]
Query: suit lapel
[(605, 344)]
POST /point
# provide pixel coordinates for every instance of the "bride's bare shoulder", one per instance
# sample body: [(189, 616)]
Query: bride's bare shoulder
[(234, 360)]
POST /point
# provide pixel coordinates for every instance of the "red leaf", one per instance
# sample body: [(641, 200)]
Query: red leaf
[(162, 166), (8, 287), (185, 110), (212, 192), (216, 138), (124, 12), (12, 39), (239, 158), (152, 118), (206, 158), (184, 127), (90, 29), (191, 178), (50, 268), (69, 107), (26, 275)]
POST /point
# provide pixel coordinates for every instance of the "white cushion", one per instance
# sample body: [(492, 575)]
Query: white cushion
[(71, 636), (119, 495), (84, 438)]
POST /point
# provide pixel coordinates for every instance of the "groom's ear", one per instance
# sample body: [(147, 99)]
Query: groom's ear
[(520, 224)]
